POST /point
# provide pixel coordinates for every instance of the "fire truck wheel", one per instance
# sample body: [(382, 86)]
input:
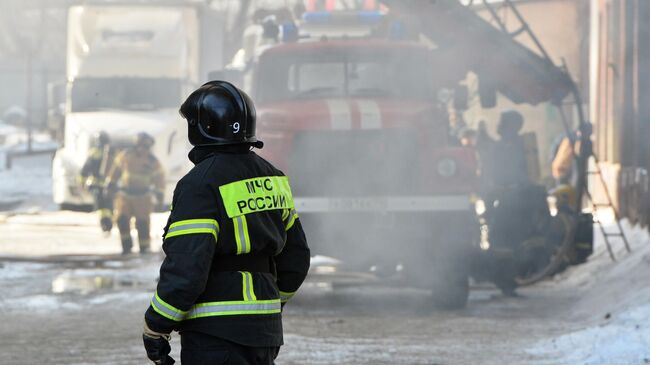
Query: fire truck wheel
[(450, 289)]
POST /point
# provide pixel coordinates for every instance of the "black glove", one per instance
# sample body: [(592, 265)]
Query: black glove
[(158, 350), (106, 223)]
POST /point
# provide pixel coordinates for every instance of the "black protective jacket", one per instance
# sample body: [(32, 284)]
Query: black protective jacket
[(232, 205), (95, 167)]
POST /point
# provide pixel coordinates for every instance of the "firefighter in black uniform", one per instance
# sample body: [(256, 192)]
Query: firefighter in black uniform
[(92, 176), (235, 248)]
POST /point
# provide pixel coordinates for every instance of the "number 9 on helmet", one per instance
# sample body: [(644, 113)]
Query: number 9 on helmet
[(218, 113)]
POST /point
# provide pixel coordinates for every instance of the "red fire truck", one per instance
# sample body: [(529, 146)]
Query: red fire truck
[(360, 125), (353, 106)]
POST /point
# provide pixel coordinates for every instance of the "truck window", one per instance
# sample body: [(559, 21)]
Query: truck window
[(316, 78), (92, 94), (343, 74)]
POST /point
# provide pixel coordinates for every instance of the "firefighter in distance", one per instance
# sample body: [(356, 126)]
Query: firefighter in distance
[(136, 177), (93, 175)]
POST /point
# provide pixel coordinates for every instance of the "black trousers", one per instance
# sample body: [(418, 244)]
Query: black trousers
[(201, 349)]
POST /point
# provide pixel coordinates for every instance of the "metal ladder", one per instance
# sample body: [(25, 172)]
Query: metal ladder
[(608, 204), (523, 28)]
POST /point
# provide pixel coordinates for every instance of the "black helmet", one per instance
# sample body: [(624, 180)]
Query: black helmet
[(101, 139), (144, 139), (218, 113), (510, 123)]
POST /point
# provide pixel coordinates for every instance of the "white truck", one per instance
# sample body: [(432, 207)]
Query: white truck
[(129, 67)]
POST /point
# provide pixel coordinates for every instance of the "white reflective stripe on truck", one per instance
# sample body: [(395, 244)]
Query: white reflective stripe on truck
[(370, 114), (340, 114), (441, 203)]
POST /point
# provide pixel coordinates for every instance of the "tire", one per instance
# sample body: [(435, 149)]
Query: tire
[(503, 274), (450, 290)]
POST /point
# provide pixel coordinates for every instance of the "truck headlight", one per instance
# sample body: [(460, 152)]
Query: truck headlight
[(484, 242), (447, 167), (479, 207)]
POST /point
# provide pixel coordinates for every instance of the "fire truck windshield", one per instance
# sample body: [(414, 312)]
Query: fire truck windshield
[(388, 73)]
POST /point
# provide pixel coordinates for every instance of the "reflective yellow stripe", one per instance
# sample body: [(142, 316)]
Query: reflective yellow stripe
[(256, 195), (166, 310), (244, 284), (95, 153), (247, 239), (241, 235), (194, 221), (237, 237), (292, 219), (285, 296), (193, 226), (251, 288), (105, 213), (212, 309), (248, 292)]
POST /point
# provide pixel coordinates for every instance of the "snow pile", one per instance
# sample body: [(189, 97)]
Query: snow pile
[(624, 340), (610, 286), (614, 307)]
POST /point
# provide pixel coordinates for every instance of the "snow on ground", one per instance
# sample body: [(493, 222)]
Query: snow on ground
[(624, 340), (614, 307), (65, 233)]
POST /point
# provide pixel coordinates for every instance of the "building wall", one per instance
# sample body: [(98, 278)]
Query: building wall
[(620, 85)]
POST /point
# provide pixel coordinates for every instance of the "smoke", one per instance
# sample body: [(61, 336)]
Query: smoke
[(369, 128)]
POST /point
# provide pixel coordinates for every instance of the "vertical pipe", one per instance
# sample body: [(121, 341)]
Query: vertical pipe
[(643, 82), (628, 113), (606, 81)]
